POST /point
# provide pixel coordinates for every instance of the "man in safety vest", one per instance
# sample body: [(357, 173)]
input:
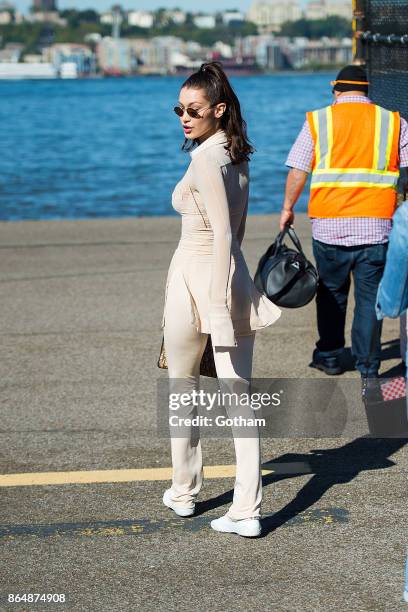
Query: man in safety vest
[(354, 150)]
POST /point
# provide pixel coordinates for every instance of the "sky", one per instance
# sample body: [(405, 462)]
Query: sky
[(102, 5)]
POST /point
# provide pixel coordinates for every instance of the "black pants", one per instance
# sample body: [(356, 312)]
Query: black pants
[(335, 265)]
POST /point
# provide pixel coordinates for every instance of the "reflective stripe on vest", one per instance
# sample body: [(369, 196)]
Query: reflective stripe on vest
[(323, 123), (377, 176)]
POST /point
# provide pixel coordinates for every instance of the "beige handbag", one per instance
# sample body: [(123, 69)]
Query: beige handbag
[(207, 365)]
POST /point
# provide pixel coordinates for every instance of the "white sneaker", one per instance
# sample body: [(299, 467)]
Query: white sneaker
[(250, 527), (180, 510)]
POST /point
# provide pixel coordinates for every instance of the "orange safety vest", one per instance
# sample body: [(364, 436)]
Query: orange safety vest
[(355, 165)]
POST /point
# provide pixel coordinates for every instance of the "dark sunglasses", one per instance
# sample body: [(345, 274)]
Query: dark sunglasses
[(190, 111)]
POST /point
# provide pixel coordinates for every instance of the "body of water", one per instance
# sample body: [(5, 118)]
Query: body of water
[(111, 147)]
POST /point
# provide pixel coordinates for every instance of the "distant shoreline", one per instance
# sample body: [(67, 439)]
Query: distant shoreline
[(230, 73)]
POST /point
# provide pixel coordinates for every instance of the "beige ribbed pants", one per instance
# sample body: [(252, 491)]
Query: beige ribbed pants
[(184, 349)]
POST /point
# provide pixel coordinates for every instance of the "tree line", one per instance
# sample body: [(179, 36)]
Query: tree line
[(80, 23)]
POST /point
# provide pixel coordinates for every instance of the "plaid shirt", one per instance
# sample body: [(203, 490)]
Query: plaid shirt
[(346, 231)]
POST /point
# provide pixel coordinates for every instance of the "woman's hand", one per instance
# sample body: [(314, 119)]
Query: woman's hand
[(287, 217)]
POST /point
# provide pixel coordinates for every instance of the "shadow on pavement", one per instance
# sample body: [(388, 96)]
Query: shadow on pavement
[(329, 467), (389, 350)]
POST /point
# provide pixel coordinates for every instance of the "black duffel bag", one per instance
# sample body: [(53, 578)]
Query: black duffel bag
[(284, 275)]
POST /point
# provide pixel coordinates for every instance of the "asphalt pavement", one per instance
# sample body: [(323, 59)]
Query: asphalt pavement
[(83, 467)]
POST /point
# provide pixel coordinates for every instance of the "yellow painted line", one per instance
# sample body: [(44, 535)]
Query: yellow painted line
[(101, 476)]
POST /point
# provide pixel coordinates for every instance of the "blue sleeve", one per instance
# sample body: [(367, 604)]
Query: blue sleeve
[(392, 295)]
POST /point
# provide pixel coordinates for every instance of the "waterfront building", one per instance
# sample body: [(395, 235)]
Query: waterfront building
[(280, 52), (223, 49), (115, 57), (140, 19), (7, 13), (270, 54), (5, 17), (232, 17), (321, 9), (193, 48), (45, 5), (106, 18), (48, 17), (176, 16), (269, 15), (246, 46), (142, 51), (341, 8), (166, 54), (265, 49), (304, 53), (11, 52), (34, 58), (315, 9), (73, 58), (167, 16), (204, 21)]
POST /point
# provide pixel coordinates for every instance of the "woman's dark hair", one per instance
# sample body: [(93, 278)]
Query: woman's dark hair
[(212, 78)]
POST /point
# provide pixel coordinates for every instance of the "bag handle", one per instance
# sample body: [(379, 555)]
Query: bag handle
[(277, 245), (289, 230), (293, 236)]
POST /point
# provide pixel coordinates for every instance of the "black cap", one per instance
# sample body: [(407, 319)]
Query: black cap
[(351, 78)]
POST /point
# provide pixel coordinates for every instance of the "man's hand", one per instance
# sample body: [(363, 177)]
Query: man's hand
[(287, 218)]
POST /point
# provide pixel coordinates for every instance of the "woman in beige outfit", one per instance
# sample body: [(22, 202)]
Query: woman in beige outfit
[(209, 289)]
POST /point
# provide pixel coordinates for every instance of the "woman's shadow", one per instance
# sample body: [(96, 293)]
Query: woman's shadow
[(329, 467)]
